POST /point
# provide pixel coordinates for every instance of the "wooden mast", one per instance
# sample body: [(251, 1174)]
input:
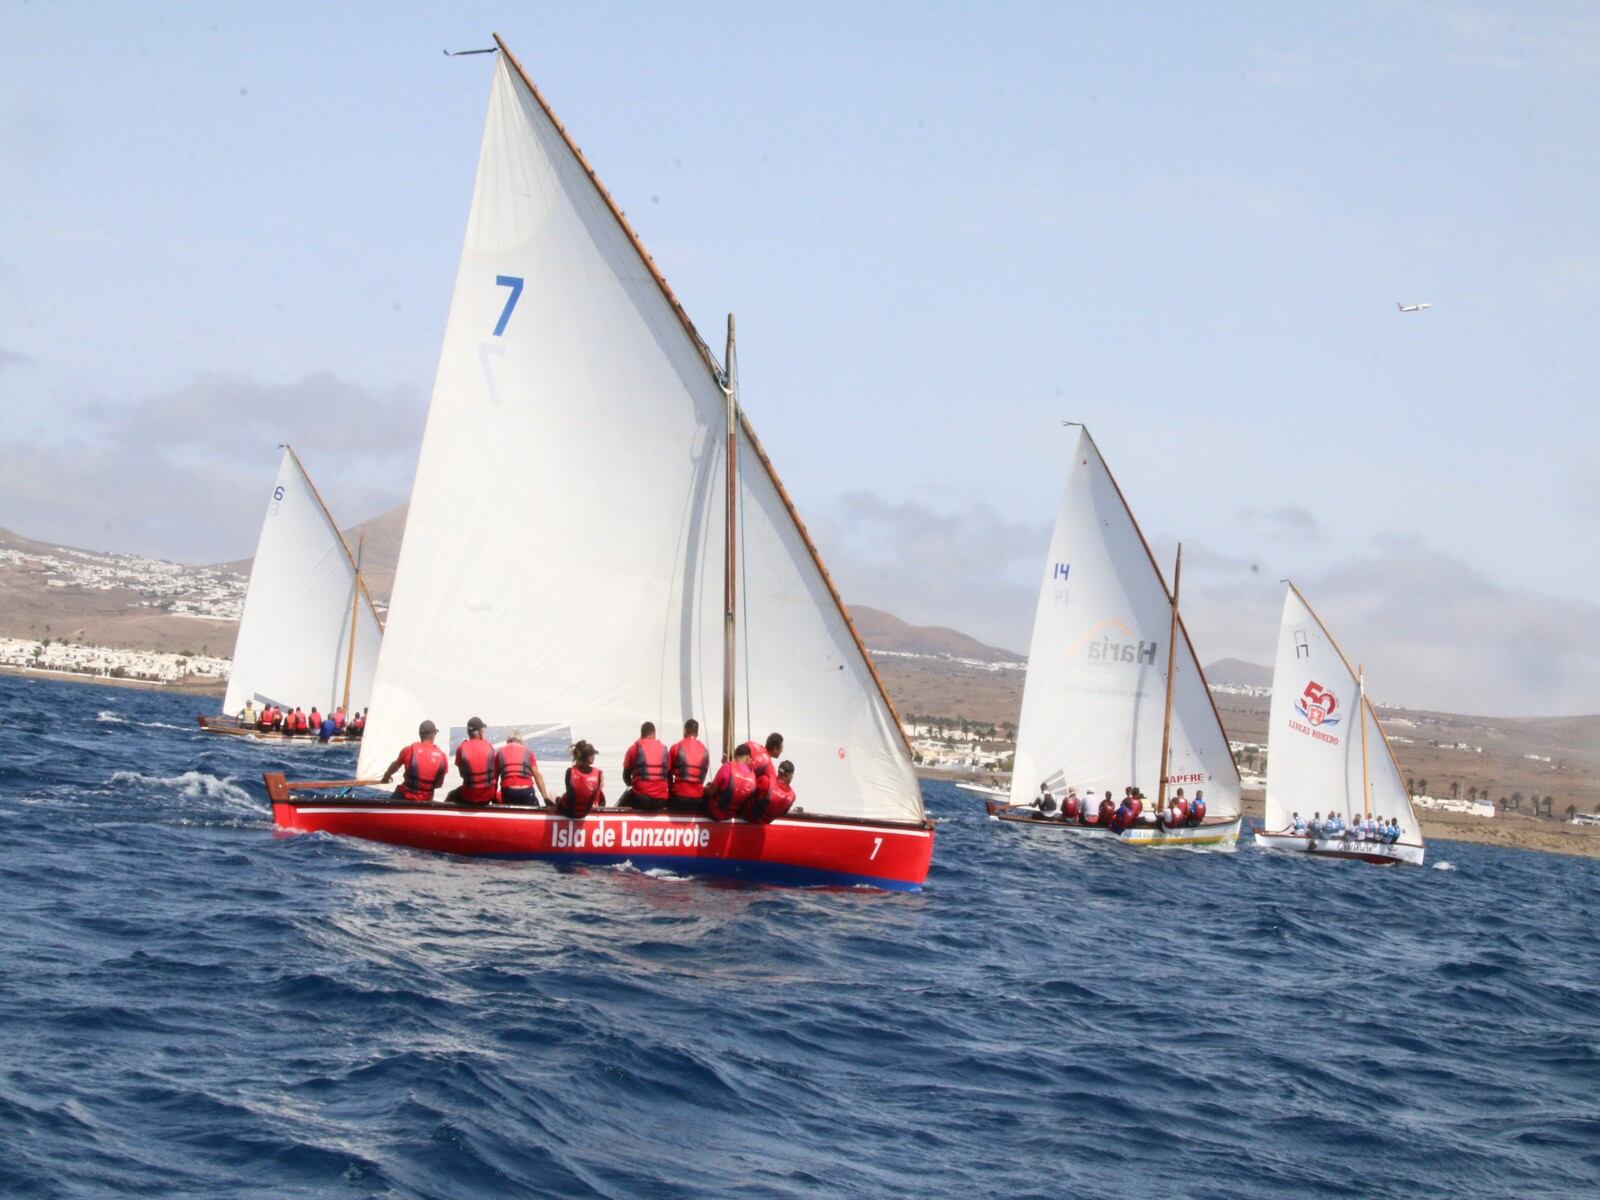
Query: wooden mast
[(730, 391), (1361, 715), (355, 611), (1166, 715)]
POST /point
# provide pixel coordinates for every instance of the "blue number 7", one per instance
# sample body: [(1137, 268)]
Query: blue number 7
[(514, 282)]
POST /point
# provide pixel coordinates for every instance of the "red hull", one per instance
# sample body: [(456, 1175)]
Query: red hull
[(801, 850)]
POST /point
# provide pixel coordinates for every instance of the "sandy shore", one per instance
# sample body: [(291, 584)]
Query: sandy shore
[(1506, 829), (192, 689)]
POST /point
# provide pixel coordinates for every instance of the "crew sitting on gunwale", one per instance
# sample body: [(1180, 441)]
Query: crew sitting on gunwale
[(475, 761), (644, 770), (688, 764), (731, 789), (518, 772), (585, 784), (425, 766)]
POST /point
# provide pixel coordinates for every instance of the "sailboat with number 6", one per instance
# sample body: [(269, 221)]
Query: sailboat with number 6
[(596, 537)]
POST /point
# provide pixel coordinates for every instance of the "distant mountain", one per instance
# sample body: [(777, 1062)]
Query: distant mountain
[(884, 631), (1239, 673)]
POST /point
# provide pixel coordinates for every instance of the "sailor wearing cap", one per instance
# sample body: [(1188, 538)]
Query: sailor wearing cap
[(425, 766), (475, 761)]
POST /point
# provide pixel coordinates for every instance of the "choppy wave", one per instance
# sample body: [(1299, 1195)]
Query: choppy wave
[(195, 1006)]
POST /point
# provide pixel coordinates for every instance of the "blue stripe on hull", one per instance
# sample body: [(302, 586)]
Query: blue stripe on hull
[(746, 870)]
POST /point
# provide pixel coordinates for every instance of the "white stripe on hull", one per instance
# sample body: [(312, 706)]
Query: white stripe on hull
[(1223, 833), (1364, 851)]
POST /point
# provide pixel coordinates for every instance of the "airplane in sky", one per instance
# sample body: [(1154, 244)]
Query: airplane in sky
[(1413, 307)]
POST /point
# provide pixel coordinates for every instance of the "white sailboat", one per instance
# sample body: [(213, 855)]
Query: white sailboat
[(1114, 695), (1326, 752), (596, 538), (309, 635)]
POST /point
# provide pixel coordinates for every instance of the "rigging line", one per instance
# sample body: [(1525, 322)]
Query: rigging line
[(461, 53), (744, 588)]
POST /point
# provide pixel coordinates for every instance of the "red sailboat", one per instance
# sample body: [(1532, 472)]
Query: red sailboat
[(583, 552)]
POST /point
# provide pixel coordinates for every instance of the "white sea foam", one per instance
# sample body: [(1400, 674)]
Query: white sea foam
[(1443, 866), (196, 785), (105, 714)]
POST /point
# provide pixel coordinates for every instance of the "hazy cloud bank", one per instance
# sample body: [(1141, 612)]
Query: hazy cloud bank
[(1433, 631), (184, 474)]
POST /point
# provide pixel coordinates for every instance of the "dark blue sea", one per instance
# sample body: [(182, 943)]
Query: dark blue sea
[(191, 1005)]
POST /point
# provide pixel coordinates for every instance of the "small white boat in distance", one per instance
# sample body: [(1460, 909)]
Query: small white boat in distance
[(1327, 755), (309, 635)]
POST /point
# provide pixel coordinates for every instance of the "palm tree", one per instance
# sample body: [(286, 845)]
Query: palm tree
[(1571, 810), (1455, 790), (1516, 800), (1422, 787)]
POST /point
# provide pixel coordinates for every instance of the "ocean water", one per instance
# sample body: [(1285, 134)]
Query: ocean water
[(191, 1005)]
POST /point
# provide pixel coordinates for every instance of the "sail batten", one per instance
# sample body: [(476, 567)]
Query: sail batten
[(1314, 752), (295, 637), (564, 557), (1094, 703)]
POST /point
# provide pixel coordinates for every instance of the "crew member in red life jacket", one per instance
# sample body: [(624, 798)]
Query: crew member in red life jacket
[(518, 771), (338, 718), (425, 766), (763, 759), (1105, 812), (688, 764), (1123, 817), (314, 720), (475, 761), (358, 724), (276, 723), (1177, 811), (1197, 810), (776, 800), (584, 783), (729, 793), (1071, 806), (644, 770), (296, 723), (264, 721)]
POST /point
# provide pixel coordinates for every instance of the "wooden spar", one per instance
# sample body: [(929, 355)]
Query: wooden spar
[(1166, 713), (355, 611), (730, 391), (339, 537), (1182, 628), (716, 374), (1361, 715)]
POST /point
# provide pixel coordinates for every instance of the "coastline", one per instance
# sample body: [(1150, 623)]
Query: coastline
[(209, 688), (1510, 830)]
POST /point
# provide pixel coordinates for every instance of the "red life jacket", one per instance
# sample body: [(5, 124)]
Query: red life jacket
[(1135, 809), (475, 761), (1106, 812), (1179, 811), (583, 791), (338, 718), (1069, 808), (730, 791), (690, 761), (645, 767), (300, 725), (360, 722), (760, 760), (426, 767), (264, 721), (514, 763), (314, 720), (1197, 812), (770, 803)]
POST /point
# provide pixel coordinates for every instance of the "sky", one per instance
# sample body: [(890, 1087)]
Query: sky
[(945, 229)]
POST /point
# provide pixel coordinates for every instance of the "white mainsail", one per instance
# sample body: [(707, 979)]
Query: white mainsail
[(293, 646), (562, 568), (1093, 704), (1313, 741)]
